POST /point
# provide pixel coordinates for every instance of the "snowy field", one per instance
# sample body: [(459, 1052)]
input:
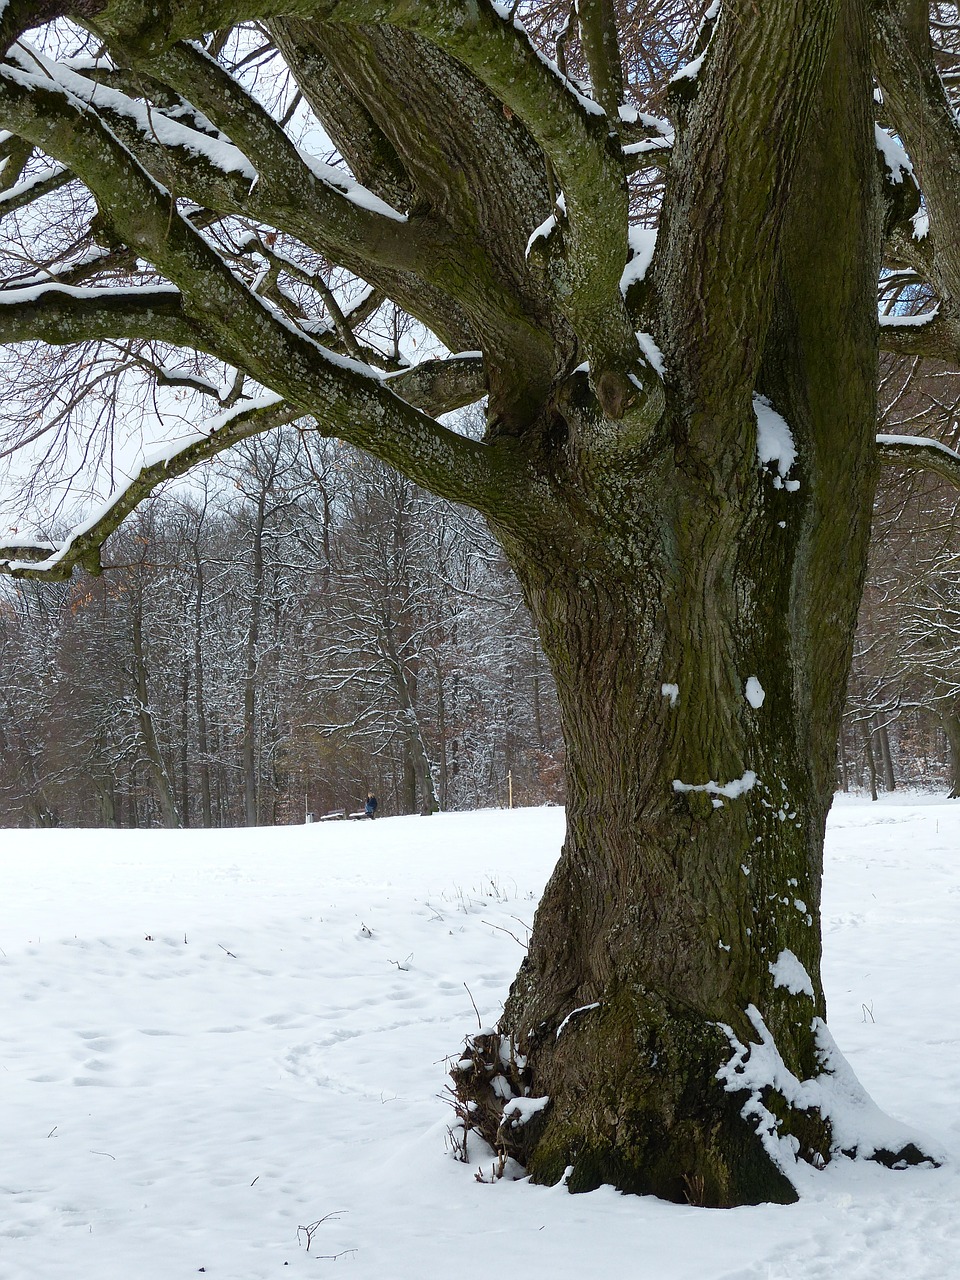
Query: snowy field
[(211, 1040)]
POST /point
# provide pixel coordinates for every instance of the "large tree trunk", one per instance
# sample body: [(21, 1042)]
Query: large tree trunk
[(698, 617), (683, 909)]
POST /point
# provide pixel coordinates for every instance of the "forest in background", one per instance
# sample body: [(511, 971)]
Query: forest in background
[(314, 625)]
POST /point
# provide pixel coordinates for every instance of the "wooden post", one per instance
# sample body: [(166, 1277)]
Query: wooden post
[(510, 788)]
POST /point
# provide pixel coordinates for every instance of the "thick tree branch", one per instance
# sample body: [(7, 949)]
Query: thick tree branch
[(61, 315), (598, 34), (573, 133), (924, 119), (933, 335), (320, 205), (417, 261), (743, 120), (346, 118), (440, 386), (913, 453), (348, 398)]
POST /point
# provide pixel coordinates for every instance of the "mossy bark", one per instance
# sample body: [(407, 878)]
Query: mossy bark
[(699, 616)]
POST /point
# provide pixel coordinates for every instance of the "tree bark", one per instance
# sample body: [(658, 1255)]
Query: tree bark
[(871, 759), (156, 765), (206, 808), (886, 755), (251, 662), (950, 719), (699, 623)]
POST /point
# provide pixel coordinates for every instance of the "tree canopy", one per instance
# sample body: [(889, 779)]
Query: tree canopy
[(251, 183)]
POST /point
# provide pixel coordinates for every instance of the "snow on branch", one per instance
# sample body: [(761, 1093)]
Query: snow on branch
[(33, 188), (61, 314), (166, 462), (241, 328), (201, 79), (215, 171), (935, 335), (150, 122), (914, 453)]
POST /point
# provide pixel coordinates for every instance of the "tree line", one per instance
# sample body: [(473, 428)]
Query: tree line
[(271, 646)]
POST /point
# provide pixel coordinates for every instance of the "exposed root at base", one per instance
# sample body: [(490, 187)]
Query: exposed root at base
[(491, 1096)]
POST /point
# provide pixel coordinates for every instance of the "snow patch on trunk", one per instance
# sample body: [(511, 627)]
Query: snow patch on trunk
[(584, 1008), (788, 972), (754, 692), (775, 444), (642, 242), (894, 156), (738, 787)]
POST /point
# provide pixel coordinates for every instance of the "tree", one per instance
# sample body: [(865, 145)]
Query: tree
[(679, 456)]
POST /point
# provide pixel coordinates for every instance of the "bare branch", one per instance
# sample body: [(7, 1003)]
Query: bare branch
[(348, 398), (83, 547)]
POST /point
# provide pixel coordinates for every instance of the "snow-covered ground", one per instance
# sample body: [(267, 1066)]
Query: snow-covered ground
[(211, 1040)]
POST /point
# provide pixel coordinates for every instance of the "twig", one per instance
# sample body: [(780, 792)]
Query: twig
[(475, 1009), (223, 948), (311, 1227), (506, 931)]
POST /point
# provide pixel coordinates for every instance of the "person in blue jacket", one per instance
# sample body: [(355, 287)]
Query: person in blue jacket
[(370, 808)]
